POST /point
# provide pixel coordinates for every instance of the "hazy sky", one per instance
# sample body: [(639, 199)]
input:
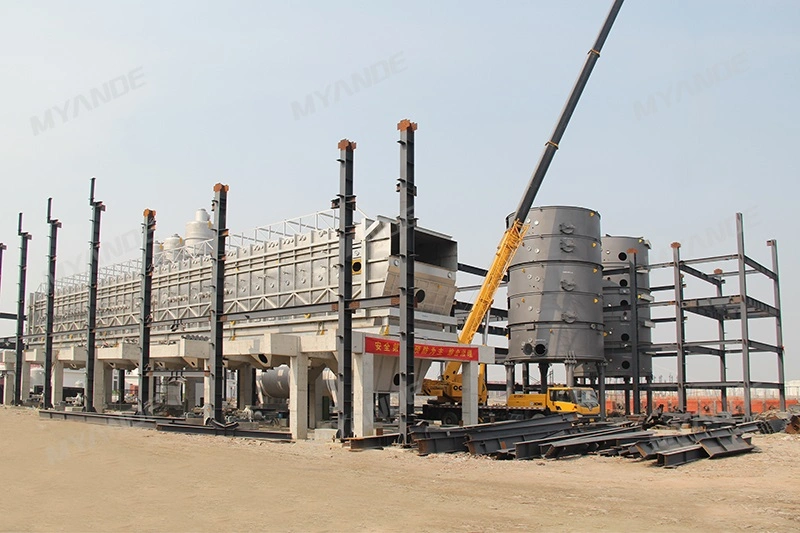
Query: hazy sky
[(690, 116)]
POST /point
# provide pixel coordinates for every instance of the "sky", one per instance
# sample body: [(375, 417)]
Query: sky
[(689, 117)]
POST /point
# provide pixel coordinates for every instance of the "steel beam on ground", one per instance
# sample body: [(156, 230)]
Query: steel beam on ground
[(407, 223), (374, 441), (681, 456), (346, 203)]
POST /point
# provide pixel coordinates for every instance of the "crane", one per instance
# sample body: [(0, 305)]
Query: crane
[(448, 388)]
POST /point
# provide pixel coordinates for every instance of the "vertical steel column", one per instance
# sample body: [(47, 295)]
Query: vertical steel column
[(121, 384), (723, 359), (649, 394), (3, 247), (346, 203), (91, 322), (601, 388), (217, 364), (145, 315), (407, 223), (747, 383), (543, 368), (773, 244), (635, 362), (47, 400), (680, 327), (24, 237), (627, 395), (526, 378), (510, 379)]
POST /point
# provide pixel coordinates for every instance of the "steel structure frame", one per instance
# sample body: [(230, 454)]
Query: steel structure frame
[(720, 307)]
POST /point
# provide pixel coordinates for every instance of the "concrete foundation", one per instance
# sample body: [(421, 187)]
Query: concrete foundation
[(298, 396), (363, 394), (469, 406)]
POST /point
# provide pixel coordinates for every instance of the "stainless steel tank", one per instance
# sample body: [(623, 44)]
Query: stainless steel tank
[(555, 288), (617, 292)]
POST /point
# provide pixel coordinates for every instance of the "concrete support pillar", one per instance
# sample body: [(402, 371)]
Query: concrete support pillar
[(245, 384), (469, 405), (25, 382), (57, 383), (208, 386), (8, 385), (570, 369), (510, 379), (363, 394), (102, 386), (298, 396), (190, 398)]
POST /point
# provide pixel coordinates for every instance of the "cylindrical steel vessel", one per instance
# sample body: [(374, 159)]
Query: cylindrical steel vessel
[(618, 293), (555, 288)]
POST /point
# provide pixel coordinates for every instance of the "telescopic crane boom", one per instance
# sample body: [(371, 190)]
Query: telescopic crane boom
[(512, 238)]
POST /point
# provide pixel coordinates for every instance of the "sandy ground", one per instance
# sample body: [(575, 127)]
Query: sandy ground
[(72, 476)]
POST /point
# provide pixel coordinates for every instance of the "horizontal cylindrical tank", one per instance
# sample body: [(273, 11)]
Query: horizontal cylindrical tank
[(555, 287), (276, 381)]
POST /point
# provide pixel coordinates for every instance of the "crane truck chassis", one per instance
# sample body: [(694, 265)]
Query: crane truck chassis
[(558, 399)]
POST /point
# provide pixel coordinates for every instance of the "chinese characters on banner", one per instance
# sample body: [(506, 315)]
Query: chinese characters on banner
[(387, 346)]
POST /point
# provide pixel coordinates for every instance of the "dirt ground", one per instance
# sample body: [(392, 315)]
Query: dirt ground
[(72, 476)]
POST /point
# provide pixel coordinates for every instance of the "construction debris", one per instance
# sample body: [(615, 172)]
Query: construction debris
[(558, 436)]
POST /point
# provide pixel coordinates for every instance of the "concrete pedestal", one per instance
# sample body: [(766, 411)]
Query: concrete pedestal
[(244, 384), (190, 398), (25, 383), (469, 381), (298, 396), (8, 386), (57, 383), (363, 394), (103, 376)]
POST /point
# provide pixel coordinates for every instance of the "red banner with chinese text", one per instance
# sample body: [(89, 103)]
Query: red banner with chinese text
[(387, 346)]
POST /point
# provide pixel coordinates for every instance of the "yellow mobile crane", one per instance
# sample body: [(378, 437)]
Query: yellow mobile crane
[(447, 389)]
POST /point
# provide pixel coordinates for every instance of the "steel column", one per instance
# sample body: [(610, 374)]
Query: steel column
[(773, 244), (526, 378), (91, 322), (145, 315), (121, 383), (747, 382), (543, 368), (680, 327), (601, 384), (47, 400), (510, 379), (19, 341), (635, 363), (217, 364), (3, 247), (346, 203), (407, 223), (723, 360)]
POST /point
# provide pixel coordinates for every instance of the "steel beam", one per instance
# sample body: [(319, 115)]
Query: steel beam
[(407, 222), (745, 324), (725, 445), (145, 315), (680, 329), (635, 363), (681, 456), (346, 203), (3, 248), (91, 322), (47, 400), (773, 244), (19, 345), (373, 442), (216, 363)]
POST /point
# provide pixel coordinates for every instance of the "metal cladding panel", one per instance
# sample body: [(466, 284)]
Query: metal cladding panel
[(565, 308), (618, 365), (561, 220), (555, 287), (555, 342)]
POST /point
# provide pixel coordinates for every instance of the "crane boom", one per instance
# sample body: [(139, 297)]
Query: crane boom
[(512, 238)]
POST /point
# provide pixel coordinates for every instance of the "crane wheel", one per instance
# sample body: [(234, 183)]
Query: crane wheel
[(450, 418)]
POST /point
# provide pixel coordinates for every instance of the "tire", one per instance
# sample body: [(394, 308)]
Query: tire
[(450, 418)]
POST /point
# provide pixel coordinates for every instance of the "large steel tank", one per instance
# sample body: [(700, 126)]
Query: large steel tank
[(555, 308), (618, 293)]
